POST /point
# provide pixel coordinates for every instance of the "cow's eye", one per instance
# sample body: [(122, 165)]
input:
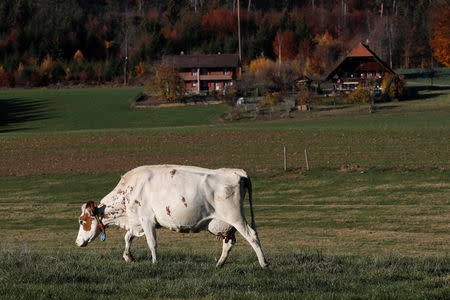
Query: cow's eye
[(81, 222)]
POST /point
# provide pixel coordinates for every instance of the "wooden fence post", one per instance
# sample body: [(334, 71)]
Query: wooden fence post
[(306, 159), (285, 158)]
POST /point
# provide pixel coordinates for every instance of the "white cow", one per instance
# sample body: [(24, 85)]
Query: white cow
[(181, 198)]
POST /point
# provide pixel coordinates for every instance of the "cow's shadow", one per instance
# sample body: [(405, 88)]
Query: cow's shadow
[(19, 111)]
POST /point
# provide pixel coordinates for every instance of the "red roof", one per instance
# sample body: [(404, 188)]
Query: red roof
[(359, 51)]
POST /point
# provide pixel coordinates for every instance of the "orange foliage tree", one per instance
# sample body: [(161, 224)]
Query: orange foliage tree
[(219, 22), (315, 67), (285, 42), (440, 42), (140, 69)]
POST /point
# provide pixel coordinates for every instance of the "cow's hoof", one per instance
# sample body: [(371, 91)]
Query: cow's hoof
[(265, 264), (128, 258)]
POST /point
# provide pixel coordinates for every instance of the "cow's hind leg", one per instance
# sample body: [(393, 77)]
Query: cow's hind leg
[(228, 243), (150, 234), (128, 239), (250, 235)]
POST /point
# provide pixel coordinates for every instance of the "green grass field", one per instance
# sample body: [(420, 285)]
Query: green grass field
[(370, 220), (89, 109)]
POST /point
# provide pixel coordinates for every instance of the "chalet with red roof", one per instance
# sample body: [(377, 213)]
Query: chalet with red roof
[(204, 73), (361, 67)]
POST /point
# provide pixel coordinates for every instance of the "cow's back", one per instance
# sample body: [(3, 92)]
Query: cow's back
[(182, 197)]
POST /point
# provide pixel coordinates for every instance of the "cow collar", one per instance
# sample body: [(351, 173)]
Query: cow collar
[(100, 224)]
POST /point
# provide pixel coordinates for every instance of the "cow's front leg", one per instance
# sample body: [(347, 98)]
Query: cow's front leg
[(128, 239), (228, 243), (149, 227)]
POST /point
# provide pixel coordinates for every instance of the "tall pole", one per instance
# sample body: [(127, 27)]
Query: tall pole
[(125, 65), (239, 38)]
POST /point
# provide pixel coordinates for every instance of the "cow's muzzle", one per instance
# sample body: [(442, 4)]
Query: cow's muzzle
[(81, 244)]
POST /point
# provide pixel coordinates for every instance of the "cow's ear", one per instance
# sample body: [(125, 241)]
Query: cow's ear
[(90, 207)]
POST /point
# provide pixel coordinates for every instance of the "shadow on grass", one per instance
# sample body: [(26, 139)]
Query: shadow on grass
[(334, 107), (17, 111), (385, 107), (420, 92)]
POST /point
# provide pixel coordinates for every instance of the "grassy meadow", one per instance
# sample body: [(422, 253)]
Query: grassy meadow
[(369, 220)]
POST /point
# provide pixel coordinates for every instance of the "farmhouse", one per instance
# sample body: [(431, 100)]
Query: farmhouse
[(361, 67), (203, 73)]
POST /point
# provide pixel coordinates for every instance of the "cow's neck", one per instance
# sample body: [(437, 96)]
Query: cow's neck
[(114, 209)]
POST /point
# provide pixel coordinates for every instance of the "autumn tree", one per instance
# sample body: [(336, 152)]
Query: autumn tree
[(257, 75), (285, 46), (267, 75), (440, 41), (164, 82), (397, 88), (258, 65), (315, 67), (327, 48), (219, 22)]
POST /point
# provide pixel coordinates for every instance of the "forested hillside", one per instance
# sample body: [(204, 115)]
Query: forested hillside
[(50, 41)]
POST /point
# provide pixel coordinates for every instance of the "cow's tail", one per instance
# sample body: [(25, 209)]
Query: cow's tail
[(248, 186)]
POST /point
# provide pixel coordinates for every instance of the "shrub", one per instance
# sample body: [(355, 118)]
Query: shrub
[(304, 97), (271, 99), (359, 95), (7, 79), (56, 72)]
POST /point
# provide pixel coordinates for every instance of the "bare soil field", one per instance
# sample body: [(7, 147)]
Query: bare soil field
[(256, 150)]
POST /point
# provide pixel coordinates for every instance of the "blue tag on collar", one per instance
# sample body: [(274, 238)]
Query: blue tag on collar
[(103, 236)]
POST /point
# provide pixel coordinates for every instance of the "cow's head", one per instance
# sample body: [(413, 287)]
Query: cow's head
[(89, 224)]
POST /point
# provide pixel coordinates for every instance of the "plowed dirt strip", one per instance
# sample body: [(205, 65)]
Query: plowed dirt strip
[(254, 150)]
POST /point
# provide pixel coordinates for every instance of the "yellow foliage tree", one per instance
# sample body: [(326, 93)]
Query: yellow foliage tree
[(257, 65), (78, 56), (165, 83), (440, 42), (20, 68), (325, 40), (397, 88), (46, 64)]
